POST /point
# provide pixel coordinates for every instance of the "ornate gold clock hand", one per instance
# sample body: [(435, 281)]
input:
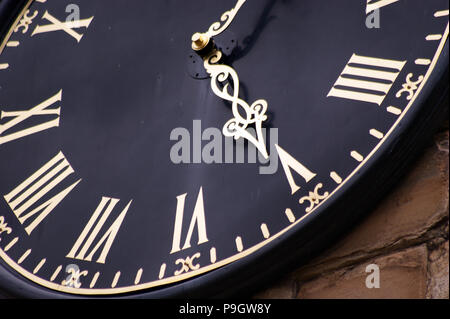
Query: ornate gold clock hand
[(201, 40), (244, 114)]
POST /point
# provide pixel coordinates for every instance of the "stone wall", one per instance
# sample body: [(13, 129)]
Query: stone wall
[(406, 236)]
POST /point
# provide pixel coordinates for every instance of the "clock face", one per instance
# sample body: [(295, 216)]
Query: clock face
[(116, 177)]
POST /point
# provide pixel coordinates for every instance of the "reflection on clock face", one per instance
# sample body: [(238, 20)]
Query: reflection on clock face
[(115, 176)]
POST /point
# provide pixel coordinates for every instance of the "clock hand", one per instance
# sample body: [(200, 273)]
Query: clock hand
[(201, 40), (253, 114), (221, 73)]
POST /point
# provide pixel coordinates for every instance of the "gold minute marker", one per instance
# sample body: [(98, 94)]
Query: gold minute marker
[(213, 255), (115, 280), (12, 44), (11, 244), (358, 157), (56, 272), (433, 37), (24, 256), (265, 231), (423, 61), (377, 134), (162, 271), (137, 280), (39, 266), (94, 279), (290, 215), (394, 110), (239, 245), (336, 177)]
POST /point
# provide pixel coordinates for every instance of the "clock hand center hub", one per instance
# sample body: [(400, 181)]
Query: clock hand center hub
[(199, 41)]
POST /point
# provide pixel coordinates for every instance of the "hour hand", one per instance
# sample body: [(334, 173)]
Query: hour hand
[(201, 40), (225, 84)]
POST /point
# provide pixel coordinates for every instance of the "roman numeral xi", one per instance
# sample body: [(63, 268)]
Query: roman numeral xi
[(14, 129)]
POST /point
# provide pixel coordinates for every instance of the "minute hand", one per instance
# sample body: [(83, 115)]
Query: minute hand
[(217, 27), (201, 40)]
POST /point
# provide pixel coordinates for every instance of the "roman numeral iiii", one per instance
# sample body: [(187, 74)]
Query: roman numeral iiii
[(368, 74), (37, 188)]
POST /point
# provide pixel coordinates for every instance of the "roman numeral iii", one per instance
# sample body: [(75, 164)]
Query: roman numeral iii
[(93, 228), (364, 76), (198, 218), (18, 117), (38, 187)]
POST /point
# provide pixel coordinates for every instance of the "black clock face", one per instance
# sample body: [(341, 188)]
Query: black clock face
[(116, 177)]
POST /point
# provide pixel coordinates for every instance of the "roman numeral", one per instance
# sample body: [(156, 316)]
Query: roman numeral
[(290, 163), (93, 228), (67, 26), (379, 81), (375, 5), (20, 116), (35, 188), (198, 218)]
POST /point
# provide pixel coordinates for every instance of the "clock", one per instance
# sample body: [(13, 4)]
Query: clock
[(168, 149)]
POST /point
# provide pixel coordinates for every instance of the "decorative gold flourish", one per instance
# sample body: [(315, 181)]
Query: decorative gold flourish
[(201, 40), (314, 198), (244, 114), (187, 264), (4, 227), (73, 279), (218, 27), (410, 86), (26, 21)]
